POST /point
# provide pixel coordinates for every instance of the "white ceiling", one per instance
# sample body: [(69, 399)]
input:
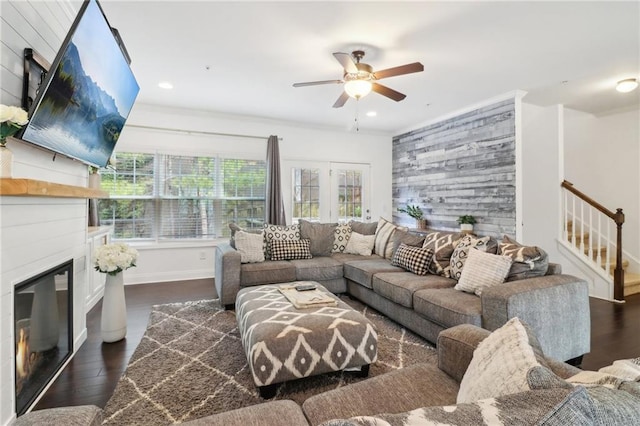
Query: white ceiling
[(243, 57)]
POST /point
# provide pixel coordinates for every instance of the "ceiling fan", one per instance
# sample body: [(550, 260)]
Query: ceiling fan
[(359, 78)]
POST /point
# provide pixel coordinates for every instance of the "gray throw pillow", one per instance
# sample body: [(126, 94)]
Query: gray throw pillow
[(528, 261), (405, 237), (322, 236), (363, 228)]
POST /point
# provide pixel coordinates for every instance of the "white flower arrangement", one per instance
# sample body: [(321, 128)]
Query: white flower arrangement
[(114, 258), (11, 120)]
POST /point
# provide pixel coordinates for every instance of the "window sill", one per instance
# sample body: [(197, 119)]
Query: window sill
[(163, 245)]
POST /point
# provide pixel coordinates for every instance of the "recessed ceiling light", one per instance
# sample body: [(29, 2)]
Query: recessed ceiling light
[(627, 85), (372, 114), (165, 85)]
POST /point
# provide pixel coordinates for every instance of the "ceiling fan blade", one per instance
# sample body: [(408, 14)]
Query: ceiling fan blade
[(389, 93), (341, 100), (346, 61), (402, 69), (316, 83)]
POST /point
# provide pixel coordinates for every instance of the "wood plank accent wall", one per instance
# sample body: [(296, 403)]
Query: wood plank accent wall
[(461, 165)]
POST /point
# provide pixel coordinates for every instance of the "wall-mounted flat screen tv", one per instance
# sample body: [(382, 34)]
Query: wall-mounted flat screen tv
[(87, 95)]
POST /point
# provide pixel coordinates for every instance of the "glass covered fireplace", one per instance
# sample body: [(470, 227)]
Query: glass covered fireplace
[(43, 331)]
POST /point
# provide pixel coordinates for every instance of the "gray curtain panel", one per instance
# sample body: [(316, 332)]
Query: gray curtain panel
[(274, 213)]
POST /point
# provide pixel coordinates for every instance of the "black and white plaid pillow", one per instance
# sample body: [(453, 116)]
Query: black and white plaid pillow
[(290, 249), (413, 259)]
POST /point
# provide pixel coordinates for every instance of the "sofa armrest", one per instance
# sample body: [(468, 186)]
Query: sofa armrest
[(556, 307), (227, 273), (456, 346)]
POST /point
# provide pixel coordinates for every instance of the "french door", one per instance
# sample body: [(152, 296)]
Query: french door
[(326, 191)]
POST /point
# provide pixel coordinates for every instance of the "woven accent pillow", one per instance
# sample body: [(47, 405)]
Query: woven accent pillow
[(483, 270), (413, 259), (278, 232), (506, 363), (383, 245), (249, 246), (528, 261), (235, 228), (290, 249), (461, 252), (341, 237), (360, 244), (442, 244)]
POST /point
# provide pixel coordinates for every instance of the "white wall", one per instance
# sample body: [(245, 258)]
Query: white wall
[(36, 233), (162, 262), (601, 160)]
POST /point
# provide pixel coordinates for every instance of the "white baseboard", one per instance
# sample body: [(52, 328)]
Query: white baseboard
[(158, 277)]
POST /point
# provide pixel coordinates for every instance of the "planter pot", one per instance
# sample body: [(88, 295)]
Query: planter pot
[(6, 162), (466, 227), (94, 180), (114, 309), (421, 223)]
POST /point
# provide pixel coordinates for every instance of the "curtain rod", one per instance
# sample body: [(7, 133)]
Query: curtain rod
[(198, 132)]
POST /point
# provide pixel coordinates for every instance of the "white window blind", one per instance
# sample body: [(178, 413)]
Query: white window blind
[(161, 196)]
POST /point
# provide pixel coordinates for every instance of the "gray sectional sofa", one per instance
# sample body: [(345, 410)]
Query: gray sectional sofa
[(556, 306), (423, 392)]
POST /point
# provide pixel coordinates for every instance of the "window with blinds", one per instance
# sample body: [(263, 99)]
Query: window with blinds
[(161, 196)]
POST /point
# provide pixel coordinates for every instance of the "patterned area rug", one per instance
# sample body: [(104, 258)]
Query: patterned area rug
[(190, 364)]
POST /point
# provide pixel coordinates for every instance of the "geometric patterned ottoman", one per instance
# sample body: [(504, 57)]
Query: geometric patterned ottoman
[(284, 343)]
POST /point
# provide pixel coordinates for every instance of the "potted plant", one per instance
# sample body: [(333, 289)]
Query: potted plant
[(466, 222), (416, 213)]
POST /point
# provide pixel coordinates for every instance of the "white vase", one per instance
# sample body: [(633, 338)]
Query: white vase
[(6, 162), (114, 309)]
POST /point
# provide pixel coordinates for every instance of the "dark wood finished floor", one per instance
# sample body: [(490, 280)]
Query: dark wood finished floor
[(92, 374)]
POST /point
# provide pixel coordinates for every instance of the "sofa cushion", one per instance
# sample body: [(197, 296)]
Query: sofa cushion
[(278, 232), (406, 237), (289, 250), (349, 257), (341, 237), (364, 228), (399, 287), (442, 243), (483, 270), (318, 269), (268, 413), (528, 261), (321, 236), (360, 244), (413, 259), (508, 361), (448, 307), (552, 407), (250, 247), (362, 271), (269, 272), (461, 252)]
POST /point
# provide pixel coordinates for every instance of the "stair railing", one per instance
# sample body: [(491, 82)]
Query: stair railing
[(589, 215)]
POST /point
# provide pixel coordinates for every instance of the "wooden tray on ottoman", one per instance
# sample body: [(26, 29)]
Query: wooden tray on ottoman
[(285, 343)]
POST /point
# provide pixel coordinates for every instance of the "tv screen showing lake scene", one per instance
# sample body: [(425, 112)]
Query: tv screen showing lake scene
[(87, 100)]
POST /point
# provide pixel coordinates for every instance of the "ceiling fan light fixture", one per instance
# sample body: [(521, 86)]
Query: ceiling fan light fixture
[(627, 85), (357, 88)]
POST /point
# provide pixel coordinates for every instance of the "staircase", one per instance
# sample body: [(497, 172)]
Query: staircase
[(599, 254)]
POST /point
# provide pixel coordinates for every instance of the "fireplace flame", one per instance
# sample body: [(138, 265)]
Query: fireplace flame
[(22, 355)]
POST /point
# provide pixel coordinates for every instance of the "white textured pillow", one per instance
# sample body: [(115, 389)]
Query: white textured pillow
[(482, 270), (360, 244), (250, 247), (500, 364)]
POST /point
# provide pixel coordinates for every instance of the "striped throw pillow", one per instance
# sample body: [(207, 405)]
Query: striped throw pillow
[(383, 245), (483, 270)]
